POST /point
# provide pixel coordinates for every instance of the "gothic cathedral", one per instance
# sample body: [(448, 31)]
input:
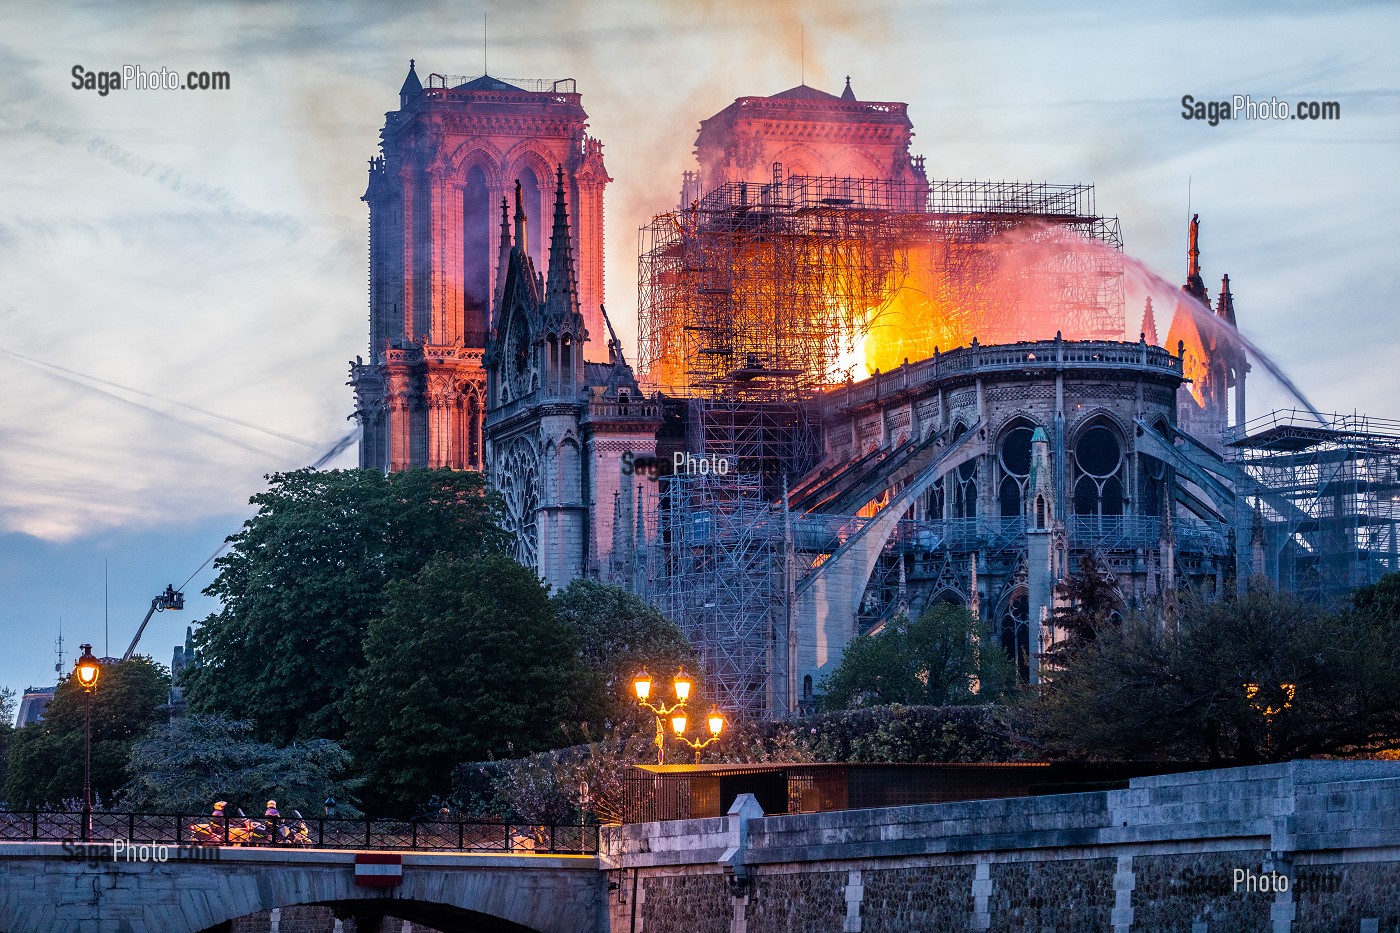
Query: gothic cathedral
[(450, 152), (476, 360)]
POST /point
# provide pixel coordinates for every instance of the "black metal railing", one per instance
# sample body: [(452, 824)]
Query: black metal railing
[(294, 832)]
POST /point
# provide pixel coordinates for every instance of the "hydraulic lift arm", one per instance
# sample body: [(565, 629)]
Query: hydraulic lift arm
[(170, 599)]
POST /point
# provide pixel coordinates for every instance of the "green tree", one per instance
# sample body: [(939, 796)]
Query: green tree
[(619, 634), (1143, 690), (7, 730), (1380, 601), (305, 576), (46, 759), (942, 658), (185, 765), (1088, 601), (467, 662)]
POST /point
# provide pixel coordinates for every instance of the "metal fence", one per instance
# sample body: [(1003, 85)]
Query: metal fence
[(294, 832)]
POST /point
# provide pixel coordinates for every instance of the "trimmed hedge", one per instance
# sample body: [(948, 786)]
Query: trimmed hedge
[(885, 734)]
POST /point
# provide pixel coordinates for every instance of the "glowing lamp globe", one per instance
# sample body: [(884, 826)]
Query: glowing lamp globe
[(716, 722), (88, 669), (678, 723), (642, 684), (682, 686)]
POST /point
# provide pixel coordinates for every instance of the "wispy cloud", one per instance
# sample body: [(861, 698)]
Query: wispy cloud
[(210, 248)]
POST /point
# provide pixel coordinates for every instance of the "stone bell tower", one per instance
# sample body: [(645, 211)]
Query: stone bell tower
[(450, 153)]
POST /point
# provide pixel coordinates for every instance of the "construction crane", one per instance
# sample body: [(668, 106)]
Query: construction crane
[(170, 599)]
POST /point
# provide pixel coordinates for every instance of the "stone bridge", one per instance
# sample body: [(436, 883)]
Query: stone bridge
[(71, 888), (1302, 847)]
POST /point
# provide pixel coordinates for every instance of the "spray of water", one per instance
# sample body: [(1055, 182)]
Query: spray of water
[(1023, 254), (1223, 333)]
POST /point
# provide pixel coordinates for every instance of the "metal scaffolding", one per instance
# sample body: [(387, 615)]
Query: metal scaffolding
[(772, 440), (1327, 499), (774, 290), (720, 576)]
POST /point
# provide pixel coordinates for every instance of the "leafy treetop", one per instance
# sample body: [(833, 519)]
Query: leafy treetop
[(942, 658), (306, 574), (46, 758)]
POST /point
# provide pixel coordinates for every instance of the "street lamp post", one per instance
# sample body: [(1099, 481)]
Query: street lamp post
[(716, 724), (642, 684), (88, 670), (1267, 709)]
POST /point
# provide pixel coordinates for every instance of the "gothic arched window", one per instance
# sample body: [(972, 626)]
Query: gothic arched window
[(965, 490), (1014, 459), (476, 253), (1098, 462), (1014, 632), (1152, 478), (534, 207)]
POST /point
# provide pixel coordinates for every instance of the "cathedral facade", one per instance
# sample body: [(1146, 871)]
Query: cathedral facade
[(450, 152), (561, 432), (979, 475)]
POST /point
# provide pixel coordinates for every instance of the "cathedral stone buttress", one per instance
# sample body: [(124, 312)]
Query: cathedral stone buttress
[(449, 154), (560, 430)]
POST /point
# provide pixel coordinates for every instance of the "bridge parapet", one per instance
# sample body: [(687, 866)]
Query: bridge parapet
[(298, 832), (80, 887)]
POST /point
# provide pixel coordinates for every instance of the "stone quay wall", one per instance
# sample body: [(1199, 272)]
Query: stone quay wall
[(1301, 847)]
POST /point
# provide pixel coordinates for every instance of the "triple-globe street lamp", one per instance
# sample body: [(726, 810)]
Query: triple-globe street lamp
[(676, 713), (1266, 708), (716, 724), (87, 671)]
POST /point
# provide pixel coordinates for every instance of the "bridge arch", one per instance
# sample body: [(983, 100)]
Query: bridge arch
[(379, 915), (489, 893)]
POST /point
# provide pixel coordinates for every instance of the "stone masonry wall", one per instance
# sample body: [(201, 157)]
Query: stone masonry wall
[(1343, 896), (898, 900), (686, 903), (1173, 893), (1062, 896), (798, 902), (1161, 856)]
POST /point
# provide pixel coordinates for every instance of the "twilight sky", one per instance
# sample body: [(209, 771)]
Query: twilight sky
[(207, 250)]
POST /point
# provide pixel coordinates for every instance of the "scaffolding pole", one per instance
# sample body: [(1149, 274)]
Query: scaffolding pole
[(777, 290), (1327, 498), (721, 578)]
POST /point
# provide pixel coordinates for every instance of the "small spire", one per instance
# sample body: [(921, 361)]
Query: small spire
[(1225, 304), (411, 88), (519, 218), (848, 94), (1149, 324), (1195, 250), (562, 299), (503, 254)]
